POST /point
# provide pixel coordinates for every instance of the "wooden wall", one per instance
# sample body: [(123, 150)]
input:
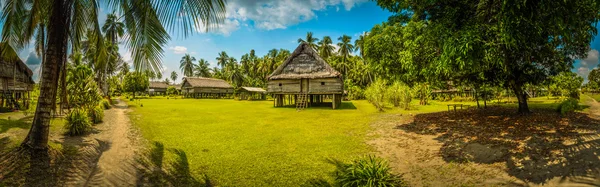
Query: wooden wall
[(315, 86), (328, 85), (209, 90), (12, 78), (287, 86)]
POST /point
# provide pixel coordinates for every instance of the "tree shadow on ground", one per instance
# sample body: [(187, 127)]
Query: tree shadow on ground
[(7, 124), (536, 147), (155, 170), (69, 166)]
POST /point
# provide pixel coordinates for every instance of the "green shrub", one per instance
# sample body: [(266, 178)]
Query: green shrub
[(366, 171), (568, 105), (106, 104), (375, 93), (96, 114), (77, 122), (463, 99)]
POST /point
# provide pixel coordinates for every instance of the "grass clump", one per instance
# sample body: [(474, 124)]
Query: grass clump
[(96, 114), (105, 104), (77, 122), (366, 171)]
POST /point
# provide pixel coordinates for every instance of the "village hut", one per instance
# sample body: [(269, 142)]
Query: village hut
[(252, 93), (16, 80), (306, 79), (202, 87), (157, 88)]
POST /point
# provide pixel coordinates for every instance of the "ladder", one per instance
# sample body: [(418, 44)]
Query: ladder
[(10, 100), (301, 102)]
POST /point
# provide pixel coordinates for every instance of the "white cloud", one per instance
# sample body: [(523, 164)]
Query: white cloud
[(178, 49), (589, 63), (275, 14), (225, 28), (127, 57)]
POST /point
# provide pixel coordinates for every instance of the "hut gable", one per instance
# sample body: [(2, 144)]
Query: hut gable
[(202, 82), (158, 85), (304, 62)]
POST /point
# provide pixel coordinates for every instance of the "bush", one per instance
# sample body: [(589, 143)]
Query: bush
[(567, 106), (375, 93), (366, 171), (106, 104), (96, 114), (77, 122), (399, 95)]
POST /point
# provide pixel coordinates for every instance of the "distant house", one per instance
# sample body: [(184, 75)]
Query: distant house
[(202, 87), (158, 88), (15, 81), (306, 78), (252, 93)]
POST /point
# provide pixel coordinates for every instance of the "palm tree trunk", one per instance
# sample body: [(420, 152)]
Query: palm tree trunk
[(37, 138)]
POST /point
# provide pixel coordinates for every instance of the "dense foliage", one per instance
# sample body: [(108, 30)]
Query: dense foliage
[(135, 82), (82, 89), (366, 171), (375, 93), (501, 43)]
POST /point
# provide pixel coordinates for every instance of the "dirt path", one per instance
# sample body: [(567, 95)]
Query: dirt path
[(107, 155), (594, 109)]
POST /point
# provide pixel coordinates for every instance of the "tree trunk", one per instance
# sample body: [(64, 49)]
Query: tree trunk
[(476, 97), (521, 97), (37, 138)]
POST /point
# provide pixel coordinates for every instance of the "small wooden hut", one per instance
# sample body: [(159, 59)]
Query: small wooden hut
[(158, 88), (15, 81), (306, 79), (202, 87), (252, 93)]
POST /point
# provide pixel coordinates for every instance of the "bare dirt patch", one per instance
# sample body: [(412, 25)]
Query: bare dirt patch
[(491, 147)]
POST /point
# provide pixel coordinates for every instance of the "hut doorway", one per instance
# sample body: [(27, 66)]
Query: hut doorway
[(304, 85)]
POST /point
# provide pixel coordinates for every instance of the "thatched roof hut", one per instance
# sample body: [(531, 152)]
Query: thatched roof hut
[(205, 87), (306, 77), (15, 78), (252, 93), (157, 87)]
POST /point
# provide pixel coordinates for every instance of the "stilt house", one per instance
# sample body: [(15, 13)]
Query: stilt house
[(202, 87), (15, 81), (306, 79)]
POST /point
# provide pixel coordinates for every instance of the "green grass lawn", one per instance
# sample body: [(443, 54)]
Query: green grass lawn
[(251, 143), (14, 126)]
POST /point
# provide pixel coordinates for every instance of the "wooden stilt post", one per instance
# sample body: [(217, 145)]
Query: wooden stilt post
[(333, 102)]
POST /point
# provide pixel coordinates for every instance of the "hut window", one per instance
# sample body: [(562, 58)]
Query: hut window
[(279, 84), (322, 83)]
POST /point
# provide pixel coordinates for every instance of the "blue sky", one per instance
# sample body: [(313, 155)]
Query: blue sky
[(267, 24)]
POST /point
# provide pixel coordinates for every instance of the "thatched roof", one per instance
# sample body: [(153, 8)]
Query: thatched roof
[(203, 82), (304, 62), (254, 89), (177, 86), (8, 54), (161, 84)]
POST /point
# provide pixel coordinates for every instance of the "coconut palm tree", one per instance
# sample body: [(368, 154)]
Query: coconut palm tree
[(312, 42), (113, 29), (186, 64), (222, 59), (202, 69), (174, 76), (325, 47), (358, 43), (67, 21), (345, 49)]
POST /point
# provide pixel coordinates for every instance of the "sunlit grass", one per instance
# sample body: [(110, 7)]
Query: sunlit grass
[(251, 143)]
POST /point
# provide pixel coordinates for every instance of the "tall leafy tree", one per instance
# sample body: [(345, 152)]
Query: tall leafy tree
[(202, 69), (326, 48), (520, 42), (345, 49), (67, 20), (358, 43), (186, 64), (310, 40)]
